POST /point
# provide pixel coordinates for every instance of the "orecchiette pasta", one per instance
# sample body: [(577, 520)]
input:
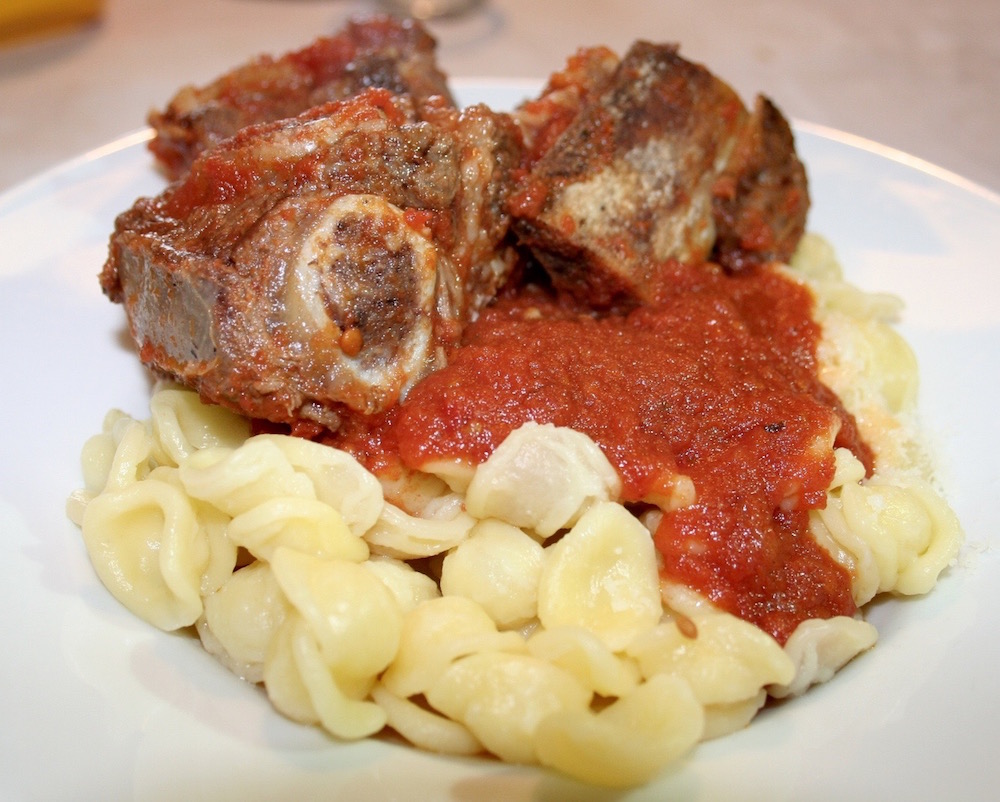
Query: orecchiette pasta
[(727, 660), (396, 533), (602, 575), (303, 524), (437, 633), (502, 698), (181, 425), (819, 647), (541, 478), (241, 619), (516, 607), (628, 742), (147, 548), (507, 589), (338, 480)]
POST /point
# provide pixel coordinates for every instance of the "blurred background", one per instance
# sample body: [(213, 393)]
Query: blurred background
[(922, 76)]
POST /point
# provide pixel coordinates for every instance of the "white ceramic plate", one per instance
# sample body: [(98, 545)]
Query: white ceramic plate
[(97, 705)]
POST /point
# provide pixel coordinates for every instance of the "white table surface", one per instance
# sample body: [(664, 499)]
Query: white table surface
[(922, 76)]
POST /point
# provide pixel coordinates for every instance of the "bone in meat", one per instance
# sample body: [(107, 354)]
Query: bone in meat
[(321, 262)]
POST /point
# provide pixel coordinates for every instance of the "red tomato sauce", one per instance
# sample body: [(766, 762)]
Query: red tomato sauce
[(716, 381)]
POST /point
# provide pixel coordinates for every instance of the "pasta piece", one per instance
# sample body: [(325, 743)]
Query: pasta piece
[(182, 424), (815, 261), (725, 718), (133, 448), (222, 552), (729, 660), (913, 534), (819, 648), (338, 479), (498, 566), (408, 586), (502, 698), (542, 478), (424, 728), (435, 634), (627, 743), (236, 480), (303, 524), (602, 575), (145, 544), (351, 614), (98, 454), (880, 355), (301, 685), (584, 655), (896, 539), (241, 619), (398, 534)]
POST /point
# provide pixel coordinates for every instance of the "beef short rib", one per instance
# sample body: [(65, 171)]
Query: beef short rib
[(380, 52), (652, 161), (322, 262)]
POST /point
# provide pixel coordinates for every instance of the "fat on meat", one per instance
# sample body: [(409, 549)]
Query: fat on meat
[(648, 160), (369, 52), (320, 263)]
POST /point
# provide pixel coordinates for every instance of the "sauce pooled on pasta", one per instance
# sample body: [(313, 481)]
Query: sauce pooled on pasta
[(716, 381)]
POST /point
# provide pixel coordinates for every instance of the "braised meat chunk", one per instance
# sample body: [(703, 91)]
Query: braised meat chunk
[(322, 262), (542, 120), (377, 52), (760, 202), (661, 162)]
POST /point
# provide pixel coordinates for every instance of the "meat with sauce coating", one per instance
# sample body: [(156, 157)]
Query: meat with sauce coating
[(376, 52), (322, 262), (661, 162)]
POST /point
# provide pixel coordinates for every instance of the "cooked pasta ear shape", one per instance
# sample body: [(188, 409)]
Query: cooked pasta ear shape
[(586, 657), (507, 588), (396, 533), (338, 479), (241, 619), (131, 459), (424, 728), (627, 743), (602, 575), (435, 634), (146, 546), (407, 585), (893, 536), (236, 480), (502, 698), (819, 648), (728, 660), (912, 532), (222, 551), (542, 478), (301, 684), (351, 614), (182, 424), (303, 524)]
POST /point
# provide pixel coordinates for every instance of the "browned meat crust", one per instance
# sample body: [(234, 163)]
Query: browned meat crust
[(761, 201), (319, 262), (316, 264), (382, 51), (542, 120), (661, 162)]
